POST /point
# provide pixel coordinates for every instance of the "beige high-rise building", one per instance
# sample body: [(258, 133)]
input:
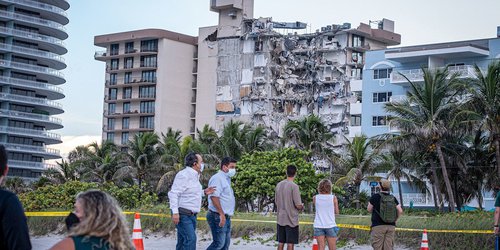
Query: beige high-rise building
[(150, 83)]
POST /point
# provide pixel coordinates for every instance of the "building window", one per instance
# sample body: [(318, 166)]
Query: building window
[(379, 120), (111, 108), (110, 136), (357, 73), (127, 93), (124, 138), (126, 107), (125, 122), (149, 45), (146, 122), (148, 61), (148, 107), (147, 92), (128, 77), (148, 76), (382, 97), (112, 79), (381, 73), (357, 57), (128, 62), (355, 120), (114, 64), (114, 49), (358, 41), (112, 94), (111, 123), (129, 47)]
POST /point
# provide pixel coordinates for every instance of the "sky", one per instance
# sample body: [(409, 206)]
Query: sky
[(418, 22)]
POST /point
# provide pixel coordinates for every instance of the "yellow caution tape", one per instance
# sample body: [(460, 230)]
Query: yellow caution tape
[(351, 226)]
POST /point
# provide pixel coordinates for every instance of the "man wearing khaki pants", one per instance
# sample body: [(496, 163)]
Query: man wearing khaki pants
[(382, 232)]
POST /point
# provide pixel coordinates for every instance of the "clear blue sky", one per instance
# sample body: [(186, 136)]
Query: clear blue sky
[(418, 22)]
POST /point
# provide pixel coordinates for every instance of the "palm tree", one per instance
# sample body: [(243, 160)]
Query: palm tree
[(63, 172), (484, 105), (233, 139), (308, 133), (358, 161), (142, 158), (257, 140), (104, 160), (427, 111), (400, 163)]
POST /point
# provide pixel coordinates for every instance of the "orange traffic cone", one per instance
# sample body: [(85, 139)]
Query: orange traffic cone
[(315, 244), (425, 242), (137, 233)]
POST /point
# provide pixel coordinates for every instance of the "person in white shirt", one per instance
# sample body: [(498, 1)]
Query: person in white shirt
[(221, 205), (185, 200), (327, 207)]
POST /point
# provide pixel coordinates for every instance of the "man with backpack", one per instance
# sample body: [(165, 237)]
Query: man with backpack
[(385, 211)]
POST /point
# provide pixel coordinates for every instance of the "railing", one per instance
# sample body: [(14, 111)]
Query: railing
[(31, 35), (12, 113), (30, 132), (33, 20), (29, 148), (39, 5), (30, 164), (33, 52), (25, 66), (418, 198), (462, 71), (397, 98), (34, 100), (33, 84)]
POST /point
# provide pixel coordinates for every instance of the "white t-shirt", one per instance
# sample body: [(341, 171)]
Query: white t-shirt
[(325, 211)]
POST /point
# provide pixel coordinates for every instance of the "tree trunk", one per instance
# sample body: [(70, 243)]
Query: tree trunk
[(358, 202), (480, 195), (434, 195), (497, 153), (400, 193), (439, 194), (445, 177)]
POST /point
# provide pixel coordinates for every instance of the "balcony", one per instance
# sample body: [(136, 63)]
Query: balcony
[(56, 108), (417, 75), (60, 49), (49, 90), (397, 98), (355, 108), (30, 165), (356, 85), (354, 131), (56, 74), (47, 153), (50, 137), (61, 14), (57, 29), (49, 121), (55, 59)]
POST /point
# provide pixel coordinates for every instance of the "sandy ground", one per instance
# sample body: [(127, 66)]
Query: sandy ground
[(159, 242)]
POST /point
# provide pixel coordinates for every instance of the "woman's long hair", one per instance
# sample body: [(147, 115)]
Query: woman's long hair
[(103, 218)]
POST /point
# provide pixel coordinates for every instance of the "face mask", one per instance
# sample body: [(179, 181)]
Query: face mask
[(202, 166), (71, 220), (231, 172)]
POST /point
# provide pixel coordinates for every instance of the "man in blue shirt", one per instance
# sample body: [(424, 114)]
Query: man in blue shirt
[(221, 205)]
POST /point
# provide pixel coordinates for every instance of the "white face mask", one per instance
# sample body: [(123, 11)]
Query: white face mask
[(202, 166), (231, 172)]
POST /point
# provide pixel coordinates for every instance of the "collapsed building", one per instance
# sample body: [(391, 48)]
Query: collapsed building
[(267, 76)]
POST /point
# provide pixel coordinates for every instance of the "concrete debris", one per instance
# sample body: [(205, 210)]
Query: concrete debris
[(286, 77)]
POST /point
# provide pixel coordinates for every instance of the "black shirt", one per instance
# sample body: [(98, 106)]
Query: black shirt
[(376, 220), (14, 232)]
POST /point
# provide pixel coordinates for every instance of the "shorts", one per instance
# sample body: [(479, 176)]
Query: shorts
[(328, 232), (288, 234)]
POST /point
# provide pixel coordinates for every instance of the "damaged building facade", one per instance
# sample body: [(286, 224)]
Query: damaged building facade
[(264, 75), (248, 69)]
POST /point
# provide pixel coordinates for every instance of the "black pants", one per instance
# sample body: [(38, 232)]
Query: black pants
[(288, 234)]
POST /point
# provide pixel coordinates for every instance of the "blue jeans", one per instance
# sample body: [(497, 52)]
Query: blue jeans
[(186, 232), (221, 235)]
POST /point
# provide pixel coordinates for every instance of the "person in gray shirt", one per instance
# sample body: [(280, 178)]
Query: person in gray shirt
[(288, 205)]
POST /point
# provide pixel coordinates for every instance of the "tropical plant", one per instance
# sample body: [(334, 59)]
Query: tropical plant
[(427, 112), (308, 133)]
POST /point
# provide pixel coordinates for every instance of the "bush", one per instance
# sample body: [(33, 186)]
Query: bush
[(63, 196)]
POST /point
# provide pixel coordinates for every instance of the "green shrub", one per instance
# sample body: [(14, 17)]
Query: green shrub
[(62, 197)]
